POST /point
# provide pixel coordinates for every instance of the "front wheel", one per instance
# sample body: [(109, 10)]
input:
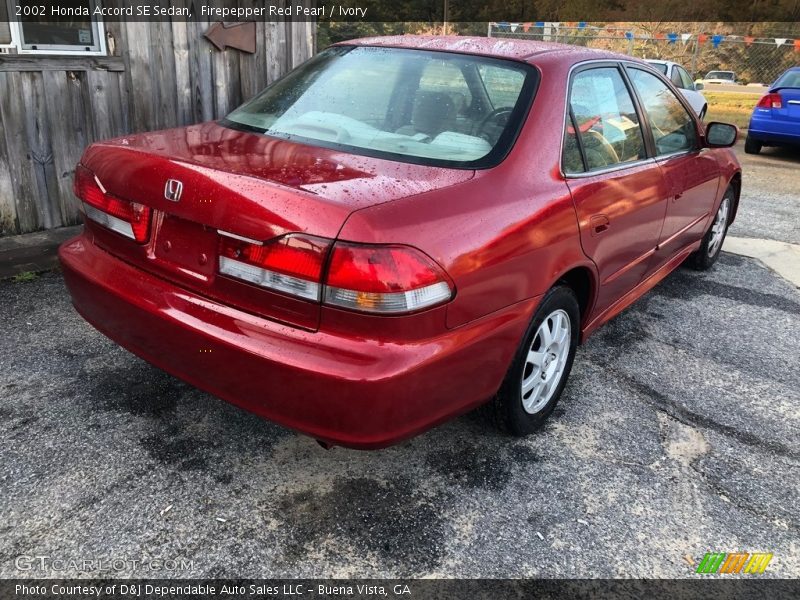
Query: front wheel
[(709, 250), (542, 364)]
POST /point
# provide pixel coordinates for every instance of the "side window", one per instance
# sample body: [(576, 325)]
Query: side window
[(571, 159), (688, 84), (605, 118), (676, 77), (503, 85), (672, 125)]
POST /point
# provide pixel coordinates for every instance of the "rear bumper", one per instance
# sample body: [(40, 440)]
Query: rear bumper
[(347, 391), (769, 130)]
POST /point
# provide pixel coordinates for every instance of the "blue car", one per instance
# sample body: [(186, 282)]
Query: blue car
[(776, 117)]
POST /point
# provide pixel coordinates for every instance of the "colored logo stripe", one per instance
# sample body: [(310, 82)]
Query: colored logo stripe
[(711, 562), (722, 562), (758, 563), (734, 562)]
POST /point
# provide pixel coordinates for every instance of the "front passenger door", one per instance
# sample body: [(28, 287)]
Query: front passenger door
[(691, 172)]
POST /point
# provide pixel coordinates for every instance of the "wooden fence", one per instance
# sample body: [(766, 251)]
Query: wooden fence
[(159, 75)]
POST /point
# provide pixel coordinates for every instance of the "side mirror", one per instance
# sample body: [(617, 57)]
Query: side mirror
[(721, 135), (698, 86)]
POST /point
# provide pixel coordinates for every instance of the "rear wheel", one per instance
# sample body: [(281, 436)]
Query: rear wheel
[(542, 364), (752, 146), (709, 250)]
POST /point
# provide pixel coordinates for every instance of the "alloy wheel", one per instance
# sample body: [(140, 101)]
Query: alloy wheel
[(719, 226), (546, 360)]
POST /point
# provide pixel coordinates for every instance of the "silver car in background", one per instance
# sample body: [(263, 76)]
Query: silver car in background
[(681, 79)]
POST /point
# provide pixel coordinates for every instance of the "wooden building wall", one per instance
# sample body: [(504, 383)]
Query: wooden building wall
[(161, 74)]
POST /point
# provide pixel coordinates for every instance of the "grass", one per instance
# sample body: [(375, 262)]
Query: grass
[(730, 107), (25, 276)]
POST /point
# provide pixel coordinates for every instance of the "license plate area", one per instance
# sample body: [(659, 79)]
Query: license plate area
[(187, 248)]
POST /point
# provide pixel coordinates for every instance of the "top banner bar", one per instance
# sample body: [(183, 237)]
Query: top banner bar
[(407, 10)]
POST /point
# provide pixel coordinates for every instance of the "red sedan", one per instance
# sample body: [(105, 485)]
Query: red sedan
[(400, 230)]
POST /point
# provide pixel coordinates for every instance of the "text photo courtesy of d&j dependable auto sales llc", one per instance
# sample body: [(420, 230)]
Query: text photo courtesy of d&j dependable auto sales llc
[(423, 299)]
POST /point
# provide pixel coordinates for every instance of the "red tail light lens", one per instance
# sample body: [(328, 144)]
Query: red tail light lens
[(291, 264), (127, 218), (770, 101), (366, 278), (384, 279)]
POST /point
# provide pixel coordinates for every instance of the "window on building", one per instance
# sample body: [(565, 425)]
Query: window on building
[(39, 32)]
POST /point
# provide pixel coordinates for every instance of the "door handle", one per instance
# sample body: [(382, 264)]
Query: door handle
[(598, 224)]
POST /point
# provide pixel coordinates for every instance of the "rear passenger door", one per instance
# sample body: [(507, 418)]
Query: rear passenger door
[(691, 172), (617, 188)]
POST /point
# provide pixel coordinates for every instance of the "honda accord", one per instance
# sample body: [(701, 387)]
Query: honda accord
[(400, 230)]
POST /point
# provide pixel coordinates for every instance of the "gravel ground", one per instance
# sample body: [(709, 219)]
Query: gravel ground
[(678, 434), (770, 204)]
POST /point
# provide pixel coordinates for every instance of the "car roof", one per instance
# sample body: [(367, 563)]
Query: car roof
[(485, 46)]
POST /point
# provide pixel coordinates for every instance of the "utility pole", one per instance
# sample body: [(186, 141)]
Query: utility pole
[(445, 17)]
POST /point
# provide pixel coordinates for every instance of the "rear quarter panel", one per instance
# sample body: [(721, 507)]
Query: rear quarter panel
[(504, 236)]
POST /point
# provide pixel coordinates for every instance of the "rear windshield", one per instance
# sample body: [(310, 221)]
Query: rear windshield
[(790, 79), (720, 75), (432, 108), (660, 66)]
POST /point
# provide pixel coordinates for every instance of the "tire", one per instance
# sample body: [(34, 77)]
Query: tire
[(708, 253), (522, 412), (752, 146), (702, 114)]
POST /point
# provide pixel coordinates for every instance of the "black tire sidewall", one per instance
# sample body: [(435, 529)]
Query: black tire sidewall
[(752, 146), (516, 419)]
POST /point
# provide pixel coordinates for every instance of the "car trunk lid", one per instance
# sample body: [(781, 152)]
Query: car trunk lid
[(790, 103), (242, 185)]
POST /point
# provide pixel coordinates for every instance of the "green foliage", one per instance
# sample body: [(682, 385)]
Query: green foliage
[(25, 277)]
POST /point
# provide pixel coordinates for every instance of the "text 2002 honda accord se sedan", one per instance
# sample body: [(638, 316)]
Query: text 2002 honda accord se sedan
[(399, 230)]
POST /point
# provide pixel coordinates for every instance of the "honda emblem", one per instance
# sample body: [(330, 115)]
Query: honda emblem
[(173, 190)]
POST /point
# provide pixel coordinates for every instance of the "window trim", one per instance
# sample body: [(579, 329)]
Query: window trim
[(18, 41)]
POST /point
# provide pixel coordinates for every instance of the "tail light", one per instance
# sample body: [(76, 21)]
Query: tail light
[(384, 279), (770, 101), (127, 218), (368, 278), (291, 264)]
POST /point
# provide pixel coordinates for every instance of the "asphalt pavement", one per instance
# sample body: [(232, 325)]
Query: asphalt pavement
[(770, 203), (678, 434)]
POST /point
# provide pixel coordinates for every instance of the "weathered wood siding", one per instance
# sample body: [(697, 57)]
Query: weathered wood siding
[(161, 74)]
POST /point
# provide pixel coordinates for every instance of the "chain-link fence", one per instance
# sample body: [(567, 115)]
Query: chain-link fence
[(754, 59)]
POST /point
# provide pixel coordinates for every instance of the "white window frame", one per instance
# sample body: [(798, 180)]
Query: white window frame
[(18, 37)]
